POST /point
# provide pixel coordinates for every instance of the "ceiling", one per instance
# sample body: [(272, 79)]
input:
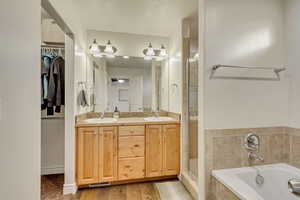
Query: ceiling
[(147, 17)]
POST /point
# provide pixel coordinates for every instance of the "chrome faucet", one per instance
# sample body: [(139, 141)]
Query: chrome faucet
[(294, 186), (103, 113), (252, 144), (156, 113), (254, 156)]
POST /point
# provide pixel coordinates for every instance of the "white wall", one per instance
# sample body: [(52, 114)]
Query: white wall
[(234, 35), (20, 117), (293, 48), (127, 44), (66, 11), (83, 73)]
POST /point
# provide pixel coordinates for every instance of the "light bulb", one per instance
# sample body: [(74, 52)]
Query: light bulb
[(94, 48), (150, 50), (163, 51), (108, 48)]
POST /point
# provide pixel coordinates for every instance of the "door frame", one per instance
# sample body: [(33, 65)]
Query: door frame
[(70, 102)]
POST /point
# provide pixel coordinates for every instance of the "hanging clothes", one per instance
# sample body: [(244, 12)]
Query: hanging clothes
[(46, 61), (52, 79), (56, 87)]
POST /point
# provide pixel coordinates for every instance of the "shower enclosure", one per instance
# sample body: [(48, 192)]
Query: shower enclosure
[(190, 102)]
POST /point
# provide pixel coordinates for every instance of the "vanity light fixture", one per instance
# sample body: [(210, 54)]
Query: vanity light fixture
[(157, 54), (103, 50), (94, 48)]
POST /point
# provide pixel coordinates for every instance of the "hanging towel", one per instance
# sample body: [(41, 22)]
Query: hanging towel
[(82, 98)]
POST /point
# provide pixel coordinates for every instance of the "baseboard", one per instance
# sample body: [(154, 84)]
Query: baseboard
[(59, 169), (70, 189)]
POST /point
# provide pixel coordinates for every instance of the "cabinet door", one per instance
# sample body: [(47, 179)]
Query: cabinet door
[(154, 150), (87, 156), (108, 154), (131, 168), (171, 150)]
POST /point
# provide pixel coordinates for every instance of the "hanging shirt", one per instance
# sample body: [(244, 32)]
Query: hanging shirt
[(56, 88), (45, 69)]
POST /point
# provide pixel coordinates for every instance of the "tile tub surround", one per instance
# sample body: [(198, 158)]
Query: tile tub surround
[(224, 149), (221, 192)]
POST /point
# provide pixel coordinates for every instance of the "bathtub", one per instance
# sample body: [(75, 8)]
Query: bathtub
[(241, 181)]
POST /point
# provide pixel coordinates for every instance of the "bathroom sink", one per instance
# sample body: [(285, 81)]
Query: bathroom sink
[(100, 120), (158, 119)]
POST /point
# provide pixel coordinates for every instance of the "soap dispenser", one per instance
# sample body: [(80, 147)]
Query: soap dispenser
[(116, 114)]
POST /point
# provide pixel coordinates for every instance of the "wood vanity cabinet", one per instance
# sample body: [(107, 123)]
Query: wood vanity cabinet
[(127, 153), (87, 156), (131, 152), (108, 154), (96, 155), (162, 150)]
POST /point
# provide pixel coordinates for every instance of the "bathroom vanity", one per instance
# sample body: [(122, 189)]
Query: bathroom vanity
[(126, 150)]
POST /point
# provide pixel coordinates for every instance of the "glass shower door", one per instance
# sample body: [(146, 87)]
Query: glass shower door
[(193, 115)]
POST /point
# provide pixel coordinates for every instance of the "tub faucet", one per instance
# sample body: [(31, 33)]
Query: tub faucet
[(254, 156)]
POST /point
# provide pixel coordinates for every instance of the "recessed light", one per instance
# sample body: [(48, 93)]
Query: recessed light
[(121, 80), (126, 57)]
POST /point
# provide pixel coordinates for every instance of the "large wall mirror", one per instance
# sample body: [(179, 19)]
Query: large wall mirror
[(130, 84)]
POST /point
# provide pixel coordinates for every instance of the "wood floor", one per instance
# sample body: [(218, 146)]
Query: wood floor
[(140, 191), (51, 187), (52, 190)]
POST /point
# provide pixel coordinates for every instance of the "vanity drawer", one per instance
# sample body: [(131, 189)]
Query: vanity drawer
[(131, 130), (131, 146), (131, 168)]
